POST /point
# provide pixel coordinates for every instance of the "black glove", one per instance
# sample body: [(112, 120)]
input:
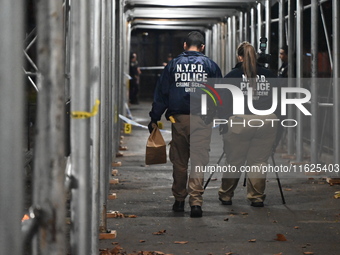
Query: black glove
[(223, 129), (152, 125)]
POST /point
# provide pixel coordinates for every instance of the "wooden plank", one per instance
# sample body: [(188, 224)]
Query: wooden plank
[(333, 181), (111, 235)]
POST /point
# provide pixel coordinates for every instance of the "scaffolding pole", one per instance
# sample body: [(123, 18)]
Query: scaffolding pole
[(252, 27), (268, 24), (291, 68), (81, 207), (230, 50), (314, 137), (259, 24), (246, 28), (49, 161), (234, 40), (11, 127), (299, 76), (95, 68), (241, 26), (336, 77), (281, 28), (105, 156)]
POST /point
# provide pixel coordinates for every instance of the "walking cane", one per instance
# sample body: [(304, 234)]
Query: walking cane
[(278, 181), (206, 184)]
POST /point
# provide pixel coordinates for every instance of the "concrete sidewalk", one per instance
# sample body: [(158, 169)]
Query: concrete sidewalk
[(310, 219)]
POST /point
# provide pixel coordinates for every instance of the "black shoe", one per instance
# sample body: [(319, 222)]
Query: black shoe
[(226, 202), (196, 211), (257, 204), (178, 206)]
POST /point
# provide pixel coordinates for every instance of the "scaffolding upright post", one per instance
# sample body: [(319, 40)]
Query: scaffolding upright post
[(230, 50), (241, 26), (80, 128), (95, 68), (259, 24), (336, 77), (281, 27), (11, 127), (246, 28), (105, 156), (252, 27), (291, 67), (49, 161), (268, 24), (234, 42), (299, 76), (314, 86)]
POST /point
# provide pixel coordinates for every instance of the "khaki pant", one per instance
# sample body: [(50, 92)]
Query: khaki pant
[(190, 139), (250, 146)]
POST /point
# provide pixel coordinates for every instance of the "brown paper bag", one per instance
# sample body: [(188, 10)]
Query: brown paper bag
[(155, 148)]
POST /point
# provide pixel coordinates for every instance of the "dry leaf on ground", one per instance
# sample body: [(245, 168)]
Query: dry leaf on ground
[(181, 242), (160, 232), (280, 237), (337, 194), (252, 240), (116, 250), (308, 253)]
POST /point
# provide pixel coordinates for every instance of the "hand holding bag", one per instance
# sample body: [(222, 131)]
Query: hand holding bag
[(155, 148)]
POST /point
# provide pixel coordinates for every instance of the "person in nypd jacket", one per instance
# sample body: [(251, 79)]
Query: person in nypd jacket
[(191, 131), (248, 138)]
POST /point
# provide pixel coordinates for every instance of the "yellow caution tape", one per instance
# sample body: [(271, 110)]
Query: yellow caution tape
[(172, 119), (86, 115)]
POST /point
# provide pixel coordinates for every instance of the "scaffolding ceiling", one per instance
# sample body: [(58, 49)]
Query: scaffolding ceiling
[(182, 13)]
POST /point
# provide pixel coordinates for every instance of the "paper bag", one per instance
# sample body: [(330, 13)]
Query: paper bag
[(155, 148)]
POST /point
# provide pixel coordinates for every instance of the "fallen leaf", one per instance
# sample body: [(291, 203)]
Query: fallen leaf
[(226, 219), (159, 253), (287, 189), (296, 227), (160, 232), (252, 240), (131, 216), (142, 241), (181, 242), (274, 221), (244, 213), (105, 252), (337, 194), (116, 250), (308, 252), (229, 253), (114, 243), (280, 237)]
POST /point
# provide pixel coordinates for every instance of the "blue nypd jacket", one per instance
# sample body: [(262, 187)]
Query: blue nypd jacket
[(172, 93)]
